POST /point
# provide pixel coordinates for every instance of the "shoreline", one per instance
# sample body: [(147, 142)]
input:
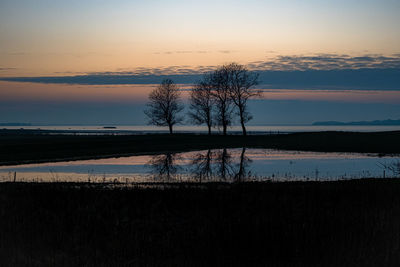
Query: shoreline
[(26, 147)]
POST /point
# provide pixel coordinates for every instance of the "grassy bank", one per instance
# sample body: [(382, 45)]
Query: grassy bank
[(19, 146), (347, 223)]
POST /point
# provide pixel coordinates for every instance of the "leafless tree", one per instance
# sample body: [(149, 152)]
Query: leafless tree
[(241, 83), (164, 105), (201, 104), (219, 80)]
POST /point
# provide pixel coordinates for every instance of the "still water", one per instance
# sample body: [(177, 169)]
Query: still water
[(211, 165)]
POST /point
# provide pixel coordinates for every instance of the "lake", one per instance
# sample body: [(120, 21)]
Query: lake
[(211, 165)]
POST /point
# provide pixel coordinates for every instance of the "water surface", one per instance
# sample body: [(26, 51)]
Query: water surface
[(210, 165)]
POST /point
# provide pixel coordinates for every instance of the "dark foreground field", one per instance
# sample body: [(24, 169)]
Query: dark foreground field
[(23, 146), (345, 223)]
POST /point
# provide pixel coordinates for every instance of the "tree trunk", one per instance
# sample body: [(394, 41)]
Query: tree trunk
[(170, 128), (224, 129), (243, 128), (242, 122), (209, 129)]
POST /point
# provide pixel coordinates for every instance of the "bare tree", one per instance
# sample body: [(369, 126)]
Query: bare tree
[(219, 80), (241, 81), (201, 104), (164, 105)]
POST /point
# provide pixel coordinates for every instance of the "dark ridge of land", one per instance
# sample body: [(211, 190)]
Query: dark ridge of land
[(20, 146), (343, 223)]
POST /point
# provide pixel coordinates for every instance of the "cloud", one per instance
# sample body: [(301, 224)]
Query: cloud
[(182, 52), (193, 52), (322, 71), (327, 62), (225, 51), (354, 79)]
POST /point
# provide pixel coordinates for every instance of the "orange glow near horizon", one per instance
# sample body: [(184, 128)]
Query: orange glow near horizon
[(47, 38)]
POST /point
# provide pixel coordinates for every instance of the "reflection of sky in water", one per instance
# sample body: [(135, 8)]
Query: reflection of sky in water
[(212, 165)]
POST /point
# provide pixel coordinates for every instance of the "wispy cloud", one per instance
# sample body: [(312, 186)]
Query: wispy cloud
[(280, 63), (327, 62), (71, 54), (226, 51), (323, 71), (193, 52), (182, 52)]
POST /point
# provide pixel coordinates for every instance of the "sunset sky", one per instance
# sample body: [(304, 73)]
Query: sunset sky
[(89, 61)]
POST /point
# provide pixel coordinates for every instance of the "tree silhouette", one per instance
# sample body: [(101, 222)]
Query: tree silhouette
[(219, 81), (241, 81), (201, 103), (164, 105), (227, 87)]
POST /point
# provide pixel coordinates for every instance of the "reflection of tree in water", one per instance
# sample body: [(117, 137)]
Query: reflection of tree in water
[(221, 165), (242, 168), (164, 165), (224, 165), (393, 167), (205, 166), (202, 163)]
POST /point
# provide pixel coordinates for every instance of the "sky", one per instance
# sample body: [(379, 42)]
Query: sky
[(95, 61)]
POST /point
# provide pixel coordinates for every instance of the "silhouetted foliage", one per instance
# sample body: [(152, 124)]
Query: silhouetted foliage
[(201, 104), (164, 105)]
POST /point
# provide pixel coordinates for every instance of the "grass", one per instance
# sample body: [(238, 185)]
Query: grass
[(20, 146), (342, 223)]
